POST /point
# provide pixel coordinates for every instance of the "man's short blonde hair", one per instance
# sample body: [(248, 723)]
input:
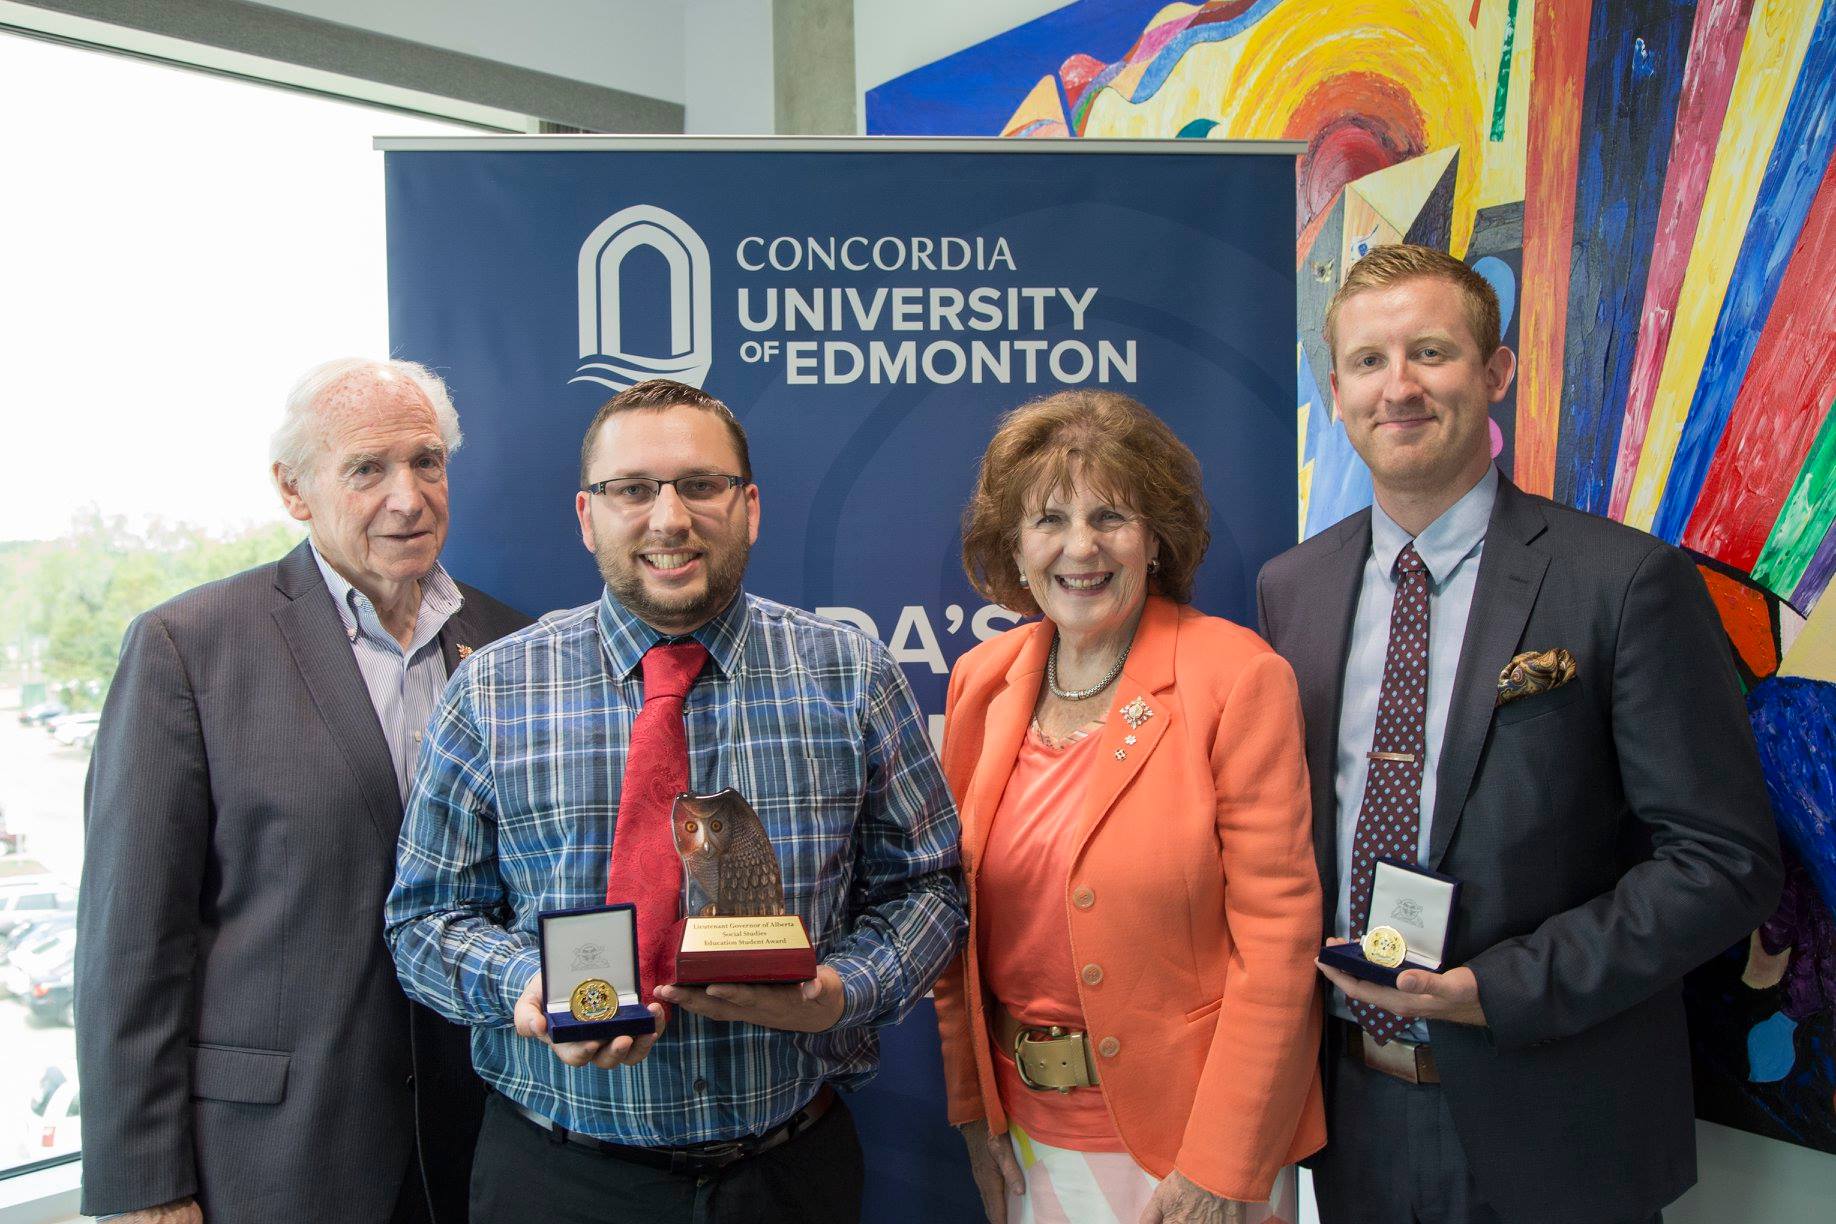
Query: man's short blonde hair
[(1392, 265)]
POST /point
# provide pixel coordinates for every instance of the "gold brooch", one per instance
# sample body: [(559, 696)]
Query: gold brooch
[(1136, 712)]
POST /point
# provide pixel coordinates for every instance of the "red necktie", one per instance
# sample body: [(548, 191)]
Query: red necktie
[(1389, 821), (645, 869)]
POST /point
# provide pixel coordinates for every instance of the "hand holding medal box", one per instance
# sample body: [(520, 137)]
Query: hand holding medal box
[(590, 988), (1410, 919)]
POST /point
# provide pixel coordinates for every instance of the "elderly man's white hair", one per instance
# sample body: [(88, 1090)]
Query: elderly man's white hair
[(295, 444)]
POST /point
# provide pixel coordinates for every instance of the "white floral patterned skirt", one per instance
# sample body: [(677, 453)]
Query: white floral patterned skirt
[(1066, 1187)]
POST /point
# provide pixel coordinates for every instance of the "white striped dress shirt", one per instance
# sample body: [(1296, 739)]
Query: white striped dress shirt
[(404, 684)]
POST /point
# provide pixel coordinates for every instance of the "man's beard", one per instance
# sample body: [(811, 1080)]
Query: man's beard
[(725, 566)]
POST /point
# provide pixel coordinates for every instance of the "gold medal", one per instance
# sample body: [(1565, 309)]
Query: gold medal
[(1384, 946), (594, 999)]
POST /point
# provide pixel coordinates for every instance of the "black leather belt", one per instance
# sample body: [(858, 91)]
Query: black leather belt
[(696, 1157)]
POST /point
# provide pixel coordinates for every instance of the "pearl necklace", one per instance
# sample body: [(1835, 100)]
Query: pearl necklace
[(1087, 693)]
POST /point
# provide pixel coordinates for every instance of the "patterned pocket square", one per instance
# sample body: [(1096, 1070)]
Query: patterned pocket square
[(1534, 672)]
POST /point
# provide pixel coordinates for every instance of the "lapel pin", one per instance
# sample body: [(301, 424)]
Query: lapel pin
[(463, 651), (1136, 712)]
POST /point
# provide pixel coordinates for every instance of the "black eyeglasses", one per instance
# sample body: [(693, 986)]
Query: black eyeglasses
[(639, 492)]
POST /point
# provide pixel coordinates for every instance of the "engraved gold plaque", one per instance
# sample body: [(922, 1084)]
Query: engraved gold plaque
[(729, 934), (593, 999), (1384, 946)]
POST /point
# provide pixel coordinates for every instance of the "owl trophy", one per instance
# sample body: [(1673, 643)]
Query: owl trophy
[(734, 926)]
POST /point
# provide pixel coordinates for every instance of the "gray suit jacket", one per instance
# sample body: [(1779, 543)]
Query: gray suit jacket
[(240, 1033), (1610, 834)]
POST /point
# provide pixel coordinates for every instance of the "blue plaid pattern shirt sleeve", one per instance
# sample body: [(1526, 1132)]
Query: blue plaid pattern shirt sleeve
[(514, 809), (446, 878), (896, 949)]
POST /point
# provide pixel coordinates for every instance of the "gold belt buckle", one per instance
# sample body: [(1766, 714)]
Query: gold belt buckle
[(1021, 1038)]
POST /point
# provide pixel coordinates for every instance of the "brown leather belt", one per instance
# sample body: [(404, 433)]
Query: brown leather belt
[(1049, 1059), (1408, 1061), (695, 1158)]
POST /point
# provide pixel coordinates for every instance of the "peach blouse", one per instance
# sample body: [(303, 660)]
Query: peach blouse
[(1025, 936)]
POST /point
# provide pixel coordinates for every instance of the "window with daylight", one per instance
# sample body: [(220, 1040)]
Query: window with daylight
[(179, 247)]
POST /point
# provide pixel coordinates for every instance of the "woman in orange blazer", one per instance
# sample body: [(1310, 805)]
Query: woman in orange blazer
[(1134, 1019)]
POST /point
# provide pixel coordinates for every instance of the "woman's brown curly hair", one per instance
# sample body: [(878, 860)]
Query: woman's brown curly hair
[(1116, 447)]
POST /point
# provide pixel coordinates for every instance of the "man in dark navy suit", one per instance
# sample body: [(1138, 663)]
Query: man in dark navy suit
[(1600, 802)]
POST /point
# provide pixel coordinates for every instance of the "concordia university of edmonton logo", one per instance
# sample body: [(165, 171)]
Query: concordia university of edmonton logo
[(603, 358)]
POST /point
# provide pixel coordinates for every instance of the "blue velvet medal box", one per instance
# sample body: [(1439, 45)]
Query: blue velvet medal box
[(594, 943), (1417, 903)]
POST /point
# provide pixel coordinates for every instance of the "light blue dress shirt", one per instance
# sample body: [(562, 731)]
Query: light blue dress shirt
[(404, 684), (1450, 547)]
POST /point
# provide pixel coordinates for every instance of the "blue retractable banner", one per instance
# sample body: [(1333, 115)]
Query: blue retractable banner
[(868, 309)]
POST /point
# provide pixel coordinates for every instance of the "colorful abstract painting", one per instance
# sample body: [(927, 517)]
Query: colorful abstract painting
[(1649, 185)]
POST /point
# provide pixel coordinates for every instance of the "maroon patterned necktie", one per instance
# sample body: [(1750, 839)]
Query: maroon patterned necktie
[(1389, 822), (645, 869)]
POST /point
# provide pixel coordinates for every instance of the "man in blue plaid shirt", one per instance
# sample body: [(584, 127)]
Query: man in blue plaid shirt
[(729, 1114)]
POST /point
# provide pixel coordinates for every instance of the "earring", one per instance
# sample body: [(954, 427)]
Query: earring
[(1154, 566), (1023, 581)]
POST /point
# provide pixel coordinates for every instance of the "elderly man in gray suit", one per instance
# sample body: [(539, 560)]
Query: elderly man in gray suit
[(1600, 802), (246, 1053)]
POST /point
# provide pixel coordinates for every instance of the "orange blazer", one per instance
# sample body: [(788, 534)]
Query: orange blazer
[(1194, 889)]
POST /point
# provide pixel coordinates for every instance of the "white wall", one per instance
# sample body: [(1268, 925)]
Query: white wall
[(1743, 1177), (634, 45), (728, 85), (643, 45)]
